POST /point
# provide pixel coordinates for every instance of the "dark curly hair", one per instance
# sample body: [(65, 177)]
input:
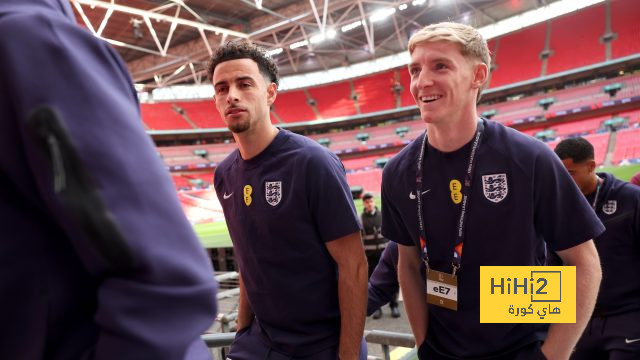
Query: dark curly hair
[(244, 49), (577, 149)]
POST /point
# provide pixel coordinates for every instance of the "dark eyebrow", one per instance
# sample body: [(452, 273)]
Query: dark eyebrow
[(441, 59), (241, 78), (219, 83)]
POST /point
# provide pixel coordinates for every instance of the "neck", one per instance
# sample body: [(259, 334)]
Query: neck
[(451, 136), (593, 185), (253, 141)]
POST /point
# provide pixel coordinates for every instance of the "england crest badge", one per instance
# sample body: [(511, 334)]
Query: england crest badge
[(273, 192), (610, 207), (495, 187)]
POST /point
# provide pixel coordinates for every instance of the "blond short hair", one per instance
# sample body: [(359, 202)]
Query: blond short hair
[(472, 44)]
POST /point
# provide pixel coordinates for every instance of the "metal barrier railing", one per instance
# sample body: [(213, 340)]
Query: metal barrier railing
[(387, 339), (220, 342)]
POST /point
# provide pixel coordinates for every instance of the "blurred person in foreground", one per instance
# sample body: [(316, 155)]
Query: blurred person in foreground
[(98, 259)]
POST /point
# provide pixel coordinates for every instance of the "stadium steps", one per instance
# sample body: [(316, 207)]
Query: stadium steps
[(275, 115), (313, 103), (180, 111), (611, 148), (354, 96)]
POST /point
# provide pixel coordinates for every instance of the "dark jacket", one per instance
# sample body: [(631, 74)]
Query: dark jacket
[(383, 283), (372, 236), (618, 207), (98, 260)]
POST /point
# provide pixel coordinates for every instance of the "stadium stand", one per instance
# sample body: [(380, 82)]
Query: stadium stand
[(633, 117), (162, 116), (406, 99), (582, 127), (370, 180), (375, 92), (367, 162), (624, 23), (600, 143), (201, 206), (565, 40), (627, 145), (293, 107), (524, 45), (590, 95), (202, 113), (333, 100)]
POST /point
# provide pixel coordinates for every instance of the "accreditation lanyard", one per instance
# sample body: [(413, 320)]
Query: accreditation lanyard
[(466, 189), (595, 199)]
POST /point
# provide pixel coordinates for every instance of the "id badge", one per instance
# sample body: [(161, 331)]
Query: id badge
[(442, 289)]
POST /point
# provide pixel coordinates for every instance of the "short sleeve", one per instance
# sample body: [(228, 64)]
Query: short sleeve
[(393, 227), (330, 200), (636, 218), (562, 214), (383, 283), (113, 183)]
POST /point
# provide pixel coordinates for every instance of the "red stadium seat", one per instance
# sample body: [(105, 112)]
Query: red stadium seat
[(625, 24), (292, 107), (333, 100), (203, 113), (375, 92), (627, 145), (162, 116), (565, 40), (517, 56)]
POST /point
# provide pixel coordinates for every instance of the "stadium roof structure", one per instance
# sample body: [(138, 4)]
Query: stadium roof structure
[(169, 42)]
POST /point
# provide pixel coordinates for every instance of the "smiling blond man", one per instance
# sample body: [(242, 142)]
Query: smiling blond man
[(474, 182)]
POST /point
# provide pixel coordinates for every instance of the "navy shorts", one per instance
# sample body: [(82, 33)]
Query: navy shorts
[(249, 344), (615, 337), (528, 352)]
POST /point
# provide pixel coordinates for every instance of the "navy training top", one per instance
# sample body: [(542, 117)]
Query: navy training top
[(98, 259), (618, 207), (521, 197), (281, 207)]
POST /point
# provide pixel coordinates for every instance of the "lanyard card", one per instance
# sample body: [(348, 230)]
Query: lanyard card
[(442, 289)]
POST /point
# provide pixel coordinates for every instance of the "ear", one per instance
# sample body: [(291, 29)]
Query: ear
[(591, 165), (480, 75), (272, 92)]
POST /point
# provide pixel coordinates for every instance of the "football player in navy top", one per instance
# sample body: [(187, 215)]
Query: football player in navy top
[(292, 220), (98, 259), (499, 192), (614, 330)]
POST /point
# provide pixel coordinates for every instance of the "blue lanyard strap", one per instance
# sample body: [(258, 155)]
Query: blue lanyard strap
[(468, 180), (595, 199)]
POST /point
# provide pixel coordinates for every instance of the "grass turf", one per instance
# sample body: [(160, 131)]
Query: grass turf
[(216, 235), (622, 172)]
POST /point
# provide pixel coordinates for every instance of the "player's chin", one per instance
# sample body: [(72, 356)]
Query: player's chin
[(428, 117), (238, 126)]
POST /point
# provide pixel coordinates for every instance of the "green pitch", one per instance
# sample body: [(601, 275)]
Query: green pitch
[(213, 235), (216, 235), (622, 172)]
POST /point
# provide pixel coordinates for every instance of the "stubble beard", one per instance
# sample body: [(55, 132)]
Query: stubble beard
[(240, 126)]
